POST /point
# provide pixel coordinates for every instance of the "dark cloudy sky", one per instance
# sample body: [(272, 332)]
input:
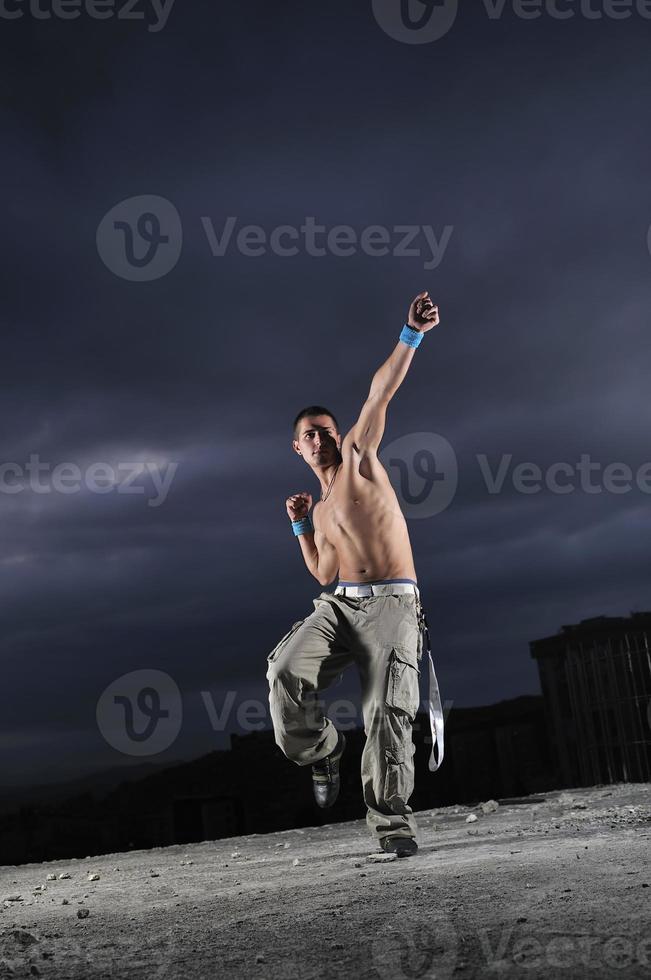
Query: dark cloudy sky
[(528, 140)]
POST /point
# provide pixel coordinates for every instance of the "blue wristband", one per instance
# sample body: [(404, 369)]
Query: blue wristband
[(303, 526), (411, 337)]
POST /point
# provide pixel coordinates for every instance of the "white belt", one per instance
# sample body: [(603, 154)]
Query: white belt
[(361, 591), (434, 700)]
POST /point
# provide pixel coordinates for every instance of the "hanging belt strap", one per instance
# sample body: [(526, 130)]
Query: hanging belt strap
[(435, 707)]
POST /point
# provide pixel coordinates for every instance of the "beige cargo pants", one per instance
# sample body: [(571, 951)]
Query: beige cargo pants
[(380, 634)]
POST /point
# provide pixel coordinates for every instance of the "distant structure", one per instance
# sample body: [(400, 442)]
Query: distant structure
[(499, 751), (596, 682)]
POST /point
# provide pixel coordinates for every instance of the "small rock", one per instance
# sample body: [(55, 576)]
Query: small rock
[(490, 806), (236, 854), (83, 913), (93, 877), (39, 888), (65, 902), (381, 858), (260, 958), (51, 877), (154, 874), (24, 938), (64, 874), (471, 818), (14, 898), (521, 918), (295, 862)]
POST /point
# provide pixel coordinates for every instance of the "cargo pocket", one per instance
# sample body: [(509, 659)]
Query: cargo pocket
[(279, 646), (420, 643), (403, 690), (394, 776), (398, 775)]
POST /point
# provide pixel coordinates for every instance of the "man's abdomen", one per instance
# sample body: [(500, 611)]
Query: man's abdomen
[(372, 546)]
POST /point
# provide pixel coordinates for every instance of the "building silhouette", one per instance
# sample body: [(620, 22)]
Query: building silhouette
[(492, 751), (596, 681), (591, 725)]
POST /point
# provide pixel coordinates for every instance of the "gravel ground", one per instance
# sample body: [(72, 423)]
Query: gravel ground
[(553, 887)]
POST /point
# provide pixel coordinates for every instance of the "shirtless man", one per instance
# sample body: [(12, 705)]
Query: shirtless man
[(373, 618)]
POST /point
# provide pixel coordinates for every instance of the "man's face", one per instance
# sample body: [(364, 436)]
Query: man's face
[(317, 441)]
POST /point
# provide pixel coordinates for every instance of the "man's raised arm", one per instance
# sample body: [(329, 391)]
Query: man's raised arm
[(367, 432)]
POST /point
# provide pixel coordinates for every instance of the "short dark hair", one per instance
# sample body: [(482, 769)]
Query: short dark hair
[(314, 410)]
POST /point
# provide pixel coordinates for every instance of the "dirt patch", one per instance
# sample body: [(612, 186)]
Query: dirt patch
[(552, 887)]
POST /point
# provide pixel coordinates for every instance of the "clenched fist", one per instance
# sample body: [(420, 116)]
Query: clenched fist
[(423, 314), (298, 505)]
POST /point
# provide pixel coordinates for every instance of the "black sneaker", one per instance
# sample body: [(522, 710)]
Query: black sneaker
[(325, 775), (402, 846)]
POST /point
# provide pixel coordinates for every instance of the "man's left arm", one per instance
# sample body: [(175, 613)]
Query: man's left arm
[(367, 432)]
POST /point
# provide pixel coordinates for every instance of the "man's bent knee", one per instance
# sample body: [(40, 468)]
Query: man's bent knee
[(282, 677)]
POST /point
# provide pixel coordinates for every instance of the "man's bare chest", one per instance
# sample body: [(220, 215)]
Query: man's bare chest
[(354, 503)]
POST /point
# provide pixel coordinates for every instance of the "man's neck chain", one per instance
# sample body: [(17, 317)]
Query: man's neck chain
[(334, 476)]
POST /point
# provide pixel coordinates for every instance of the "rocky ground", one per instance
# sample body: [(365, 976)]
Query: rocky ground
[(548, 887)]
